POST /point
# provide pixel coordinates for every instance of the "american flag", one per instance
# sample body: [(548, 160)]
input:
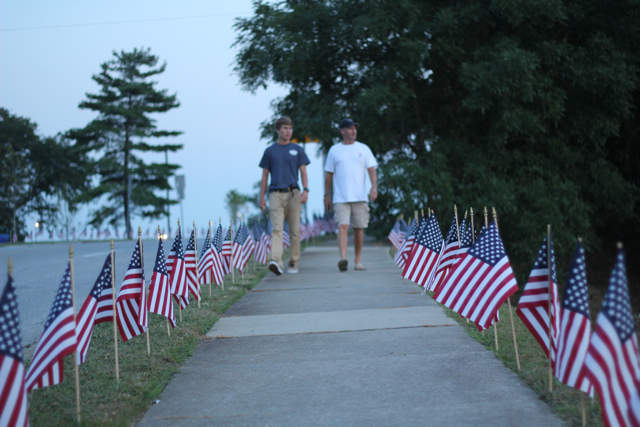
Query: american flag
[(204, 260), (225, 251), (86, 317), (191, 268), (425, 252), (398, 232), (57, 340), (264, 246), (13, 394), (575, 327), (159, 290), (216, 268), (533, 307), (210, 265), (243, 247), (407, 244), (481, 281), (105, 303), (466, 240), (449, 255), (612, 358), (248, 249), (286, 240), (131, 305), (205, 245), (236, 248), (177, 275)]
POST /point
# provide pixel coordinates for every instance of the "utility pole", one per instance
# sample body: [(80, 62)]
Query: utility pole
[(166, 162)]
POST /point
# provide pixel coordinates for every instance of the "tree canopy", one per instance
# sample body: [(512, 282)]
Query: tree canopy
[(528, 106), (122, 132), (37, 173)]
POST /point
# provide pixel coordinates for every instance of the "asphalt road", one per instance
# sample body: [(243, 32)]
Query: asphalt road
[(38, 270)]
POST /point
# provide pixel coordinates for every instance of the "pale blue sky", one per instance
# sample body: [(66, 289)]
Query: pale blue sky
[(50, 50)]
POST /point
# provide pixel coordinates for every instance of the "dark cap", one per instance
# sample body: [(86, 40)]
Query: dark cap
[(347, 123)]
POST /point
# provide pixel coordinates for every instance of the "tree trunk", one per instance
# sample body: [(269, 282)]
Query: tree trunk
[(127, 219)]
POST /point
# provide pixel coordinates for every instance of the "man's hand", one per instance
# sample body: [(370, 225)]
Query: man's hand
[(373, 194), (327, 203), (262, 203), (304, 196)]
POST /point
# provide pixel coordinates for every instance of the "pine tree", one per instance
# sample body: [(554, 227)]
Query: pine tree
[(119, 137)]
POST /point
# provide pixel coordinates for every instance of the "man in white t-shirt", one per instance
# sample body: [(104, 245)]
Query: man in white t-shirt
[(345, 184)]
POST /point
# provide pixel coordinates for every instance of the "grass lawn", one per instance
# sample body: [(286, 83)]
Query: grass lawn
[(142, 377)]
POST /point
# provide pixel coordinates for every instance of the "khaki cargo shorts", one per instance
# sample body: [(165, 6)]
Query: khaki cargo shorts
[(354, 213)]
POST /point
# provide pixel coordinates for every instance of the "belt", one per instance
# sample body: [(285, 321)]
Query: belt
[(285, 190)]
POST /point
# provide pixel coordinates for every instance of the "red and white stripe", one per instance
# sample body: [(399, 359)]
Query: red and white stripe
[(449, 256), (13, 394), (612, 367), (573, 343), (476, 290), (105, 306), (160, 297), (56, 342), (420, 265), (533, 310), (85, 320), (128, 305), (225, 254), (403, 253), (193, 284)]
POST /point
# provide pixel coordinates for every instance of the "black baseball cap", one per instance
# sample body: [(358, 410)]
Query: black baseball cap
[(347, 123)]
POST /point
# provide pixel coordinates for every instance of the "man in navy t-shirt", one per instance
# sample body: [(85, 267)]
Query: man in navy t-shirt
[(282, 161)]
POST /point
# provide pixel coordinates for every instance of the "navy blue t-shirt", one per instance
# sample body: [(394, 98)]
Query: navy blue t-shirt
[(283, 162)]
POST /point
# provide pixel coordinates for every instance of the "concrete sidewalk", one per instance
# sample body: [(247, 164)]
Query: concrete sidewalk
[(356, 348)]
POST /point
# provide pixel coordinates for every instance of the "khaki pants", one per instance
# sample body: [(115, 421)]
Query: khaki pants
[(281, 206)]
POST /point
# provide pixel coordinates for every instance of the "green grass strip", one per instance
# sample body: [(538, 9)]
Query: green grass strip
[(142, 378)]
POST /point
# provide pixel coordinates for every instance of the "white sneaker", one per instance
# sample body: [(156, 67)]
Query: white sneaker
[(292, 270), (275, 267)]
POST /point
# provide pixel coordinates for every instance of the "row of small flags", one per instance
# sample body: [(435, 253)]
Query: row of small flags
[(178, 276), (307, 230), (472, 276)]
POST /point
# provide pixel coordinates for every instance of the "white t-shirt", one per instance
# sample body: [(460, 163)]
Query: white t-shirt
[(349, 164)]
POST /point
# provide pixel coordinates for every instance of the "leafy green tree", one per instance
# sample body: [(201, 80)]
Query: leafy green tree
[(37, 173), (121, 134), (235, 201), (528, 106)]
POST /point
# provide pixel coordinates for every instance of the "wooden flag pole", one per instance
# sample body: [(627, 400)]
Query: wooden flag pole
[(76, 372), (113, 306), (455, 212), (549, 304), (473, 229), (495, 324), (174, 266), (513, 328), (241, 271), (212, 237), (166, 320), (583, 410), (143, 286), (195, 248), (233, 275), (223, 275)]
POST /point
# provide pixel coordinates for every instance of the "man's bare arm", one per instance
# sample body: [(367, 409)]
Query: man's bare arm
[(328, 182), (373, 194), (305, 183), (263, 188)]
